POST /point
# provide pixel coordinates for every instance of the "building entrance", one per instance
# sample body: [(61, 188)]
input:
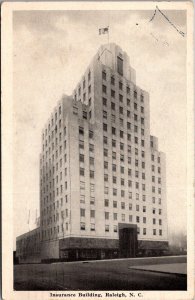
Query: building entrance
[(128, 244)]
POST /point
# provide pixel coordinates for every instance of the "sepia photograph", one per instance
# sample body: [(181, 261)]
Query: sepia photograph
[(98, 137)]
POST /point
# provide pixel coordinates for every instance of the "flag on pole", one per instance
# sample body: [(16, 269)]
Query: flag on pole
[(103, 30)]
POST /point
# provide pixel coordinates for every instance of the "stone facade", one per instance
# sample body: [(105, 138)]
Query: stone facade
[(99, 165)]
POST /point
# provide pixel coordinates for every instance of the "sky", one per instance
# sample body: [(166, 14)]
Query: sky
[(52, 49)]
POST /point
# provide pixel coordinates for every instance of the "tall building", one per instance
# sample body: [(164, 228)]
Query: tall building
[(102, 177)]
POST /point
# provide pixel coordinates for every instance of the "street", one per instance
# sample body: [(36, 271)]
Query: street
[(102, 275)]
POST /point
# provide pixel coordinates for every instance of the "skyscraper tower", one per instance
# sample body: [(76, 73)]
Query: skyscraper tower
[(102, 177)]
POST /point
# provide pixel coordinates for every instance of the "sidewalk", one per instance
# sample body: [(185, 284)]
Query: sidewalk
[(178, 268)]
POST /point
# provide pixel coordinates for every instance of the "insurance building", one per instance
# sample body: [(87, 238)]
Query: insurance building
[(102, 176)]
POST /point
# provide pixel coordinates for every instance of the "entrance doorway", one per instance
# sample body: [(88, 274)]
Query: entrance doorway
[(127, 240)]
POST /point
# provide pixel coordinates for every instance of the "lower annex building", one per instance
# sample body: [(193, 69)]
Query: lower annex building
[(102, 177)]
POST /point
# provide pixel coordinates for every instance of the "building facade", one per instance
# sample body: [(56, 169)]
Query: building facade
[(102, 177)]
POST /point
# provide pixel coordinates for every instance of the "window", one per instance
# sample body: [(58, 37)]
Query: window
[(106, 228), (115, 204), (121, 110), (92, 187), (122, 158), (113, 118), (112, 94), (113, 143), (112, 106), (84, 115), (128, 125), (130, 218), (115, 228), (160, 222), (82, 198), (130, 206), (90, 134), (142, 121), (135, 117), (92, 227), (113, 131), (106, 190), (121, 122), (160, 231), (128, 90), (121, 98), (135, 106), (144, 231), (137, 219), (81, 130), (81, 157), (154, 231), (122, 181), (144, 209), (82, 212), (91, 148), (104, 114), (105, 140), (137, 196), (92, 174), (121, 134), (104, 89), (122, 193), (92, 200), (105, 165), (114, 168), (135, 94), (122, 205), (114, 192), (89, 75), (121, 146), (106, 215), (122, 170), (128, 114), (123, 217), (142, 98), (106, 152), (104, 101), (113, 155), (137, 207), (120, 65), (104, 75), (104, 127), (112, 80), (106, 202), (82, 171), (92, 213), (136, 139), (129, 183), (142, 109), (114, 179), (115, 216), (105, 177), (144, 220), (82, 226), (158, 159), (91, 161)]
